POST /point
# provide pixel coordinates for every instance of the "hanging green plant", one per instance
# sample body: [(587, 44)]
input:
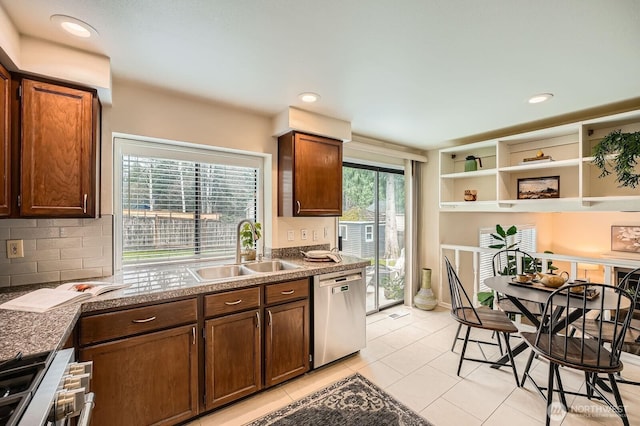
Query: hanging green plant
[(619, 151)]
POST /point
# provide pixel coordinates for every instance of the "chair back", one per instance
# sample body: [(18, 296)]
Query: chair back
[(586, 351), (461, 307), (631, 283), (513, 261)]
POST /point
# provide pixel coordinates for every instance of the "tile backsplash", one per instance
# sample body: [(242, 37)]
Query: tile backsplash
[(56, 250)]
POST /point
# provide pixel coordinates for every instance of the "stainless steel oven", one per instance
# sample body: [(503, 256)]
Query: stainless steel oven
[(45, 389)]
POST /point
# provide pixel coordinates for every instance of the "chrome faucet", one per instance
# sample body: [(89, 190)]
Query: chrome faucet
[(253, 232)]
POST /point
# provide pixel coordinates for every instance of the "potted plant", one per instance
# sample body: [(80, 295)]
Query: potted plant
[(621, 152), (506, 239), (393, 287), (247, 240)]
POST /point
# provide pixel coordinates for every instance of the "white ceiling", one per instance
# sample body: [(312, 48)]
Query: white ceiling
[(414, 72)]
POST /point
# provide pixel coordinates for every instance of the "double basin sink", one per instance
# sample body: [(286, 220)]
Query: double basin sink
[(219, 272)]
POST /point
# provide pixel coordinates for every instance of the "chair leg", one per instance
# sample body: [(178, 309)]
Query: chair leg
[(455, 339), (526, 369), (499, 343), (511, 360), (464, 348), (587, 381), (550, 392), (563, 400), (616, 393)]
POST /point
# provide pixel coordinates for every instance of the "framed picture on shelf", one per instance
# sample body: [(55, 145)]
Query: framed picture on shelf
[(625, 238), (539, 188)]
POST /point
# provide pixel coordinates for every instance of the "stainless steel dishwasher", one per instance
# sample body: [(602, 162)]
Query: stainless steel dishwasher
[(339, 315)]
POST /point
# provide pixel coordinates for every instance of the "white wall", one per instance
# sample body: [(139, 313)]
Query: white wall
[(147, 111)]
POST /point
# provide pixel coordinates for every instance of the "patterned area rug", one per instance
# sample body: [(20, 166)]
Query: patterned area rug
[(353, 401)]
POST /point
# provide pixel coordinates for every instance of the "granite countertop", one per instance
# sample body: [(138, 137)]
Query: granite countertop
[(31, 333)]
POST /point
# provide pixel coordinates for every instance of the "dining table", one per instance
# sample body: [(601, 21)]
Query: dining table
[(516, 292)]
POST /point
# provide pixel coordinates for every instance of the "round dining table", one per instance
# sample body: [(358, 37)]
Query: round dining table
[(516, 292)]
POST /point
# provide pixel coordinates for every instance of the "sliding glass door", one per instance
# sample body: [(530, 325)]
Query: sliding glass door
[(372, 227)]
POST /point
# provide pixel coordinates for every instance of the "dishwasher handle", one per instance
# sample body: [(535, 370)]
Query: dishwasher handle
[(340, 280)]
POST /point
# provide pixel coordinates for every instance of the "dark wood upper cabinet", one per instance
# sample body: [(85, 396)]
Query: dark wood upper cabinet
[(58, 151), (309, 175), (5, 142)]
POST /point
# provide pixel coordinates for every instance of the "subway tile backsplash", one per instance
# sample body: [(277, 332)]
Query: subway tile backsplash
[(56, 250)]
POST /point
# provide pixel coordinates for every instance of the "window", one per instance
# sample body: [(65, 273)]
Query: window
[(179, 202), (342, 232), (368, 233), (526, 238)]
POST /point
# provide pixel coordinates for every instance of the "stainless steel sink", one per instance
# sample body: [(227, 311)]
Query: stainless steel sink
[(271, 266), (220, 272)]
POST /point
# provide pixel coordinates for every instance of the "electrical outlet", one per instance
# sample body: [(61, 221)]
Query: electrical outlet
[(303, 234), (15, 249), (291, 235), (315, 235)]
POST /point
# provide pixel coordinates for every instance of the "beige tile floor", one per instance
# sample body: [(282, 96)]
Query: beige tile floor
[(410, 358)]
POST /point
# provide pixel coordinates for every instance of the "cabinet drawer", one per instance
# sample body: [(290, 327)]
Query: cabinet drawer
[(231, 301), (113, 325), (282, 292)]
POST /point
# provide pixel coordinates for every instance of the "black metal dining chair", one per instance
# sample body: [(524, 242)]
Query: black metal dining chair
[(554, 342), (512, 262), (593, 326), (483, 318)]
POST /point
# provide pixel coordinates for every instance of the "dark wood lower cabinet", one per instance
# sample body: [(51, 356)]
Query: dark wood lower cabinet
[(286, 341), (153, 365), (145, 380), (233, 357)]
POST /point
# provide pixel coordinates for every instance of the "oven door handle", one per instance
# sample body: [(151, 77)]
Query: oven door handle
[(85, 414)]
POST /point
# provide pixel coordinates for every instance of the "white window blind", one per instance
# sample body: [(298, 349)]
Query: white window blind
[(176, 208), (525, 237)]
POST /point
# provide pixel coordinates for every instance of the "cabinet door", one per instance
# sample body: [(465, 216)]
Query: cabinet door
[(286, 341), (309, 176), (144, 380), (5, 145), (232, 357), (58, 151)]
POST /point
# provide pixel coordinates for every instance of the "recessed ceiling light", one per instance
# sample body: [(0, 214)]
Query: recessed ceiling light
[(536, 99), (74, 26), (309, 97)]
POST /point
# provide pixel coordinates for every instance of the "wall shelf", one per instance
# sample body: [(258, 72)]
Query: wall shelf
[(571, 148)]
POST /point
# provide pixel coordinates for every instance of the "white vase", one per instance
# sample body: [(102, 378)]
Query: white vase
[(425, 299)]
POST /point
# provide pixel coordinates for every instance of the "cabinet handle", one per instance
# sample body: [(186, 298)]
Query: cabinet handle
[(84, 208), (258, 320), (288, 292), (233, 303), (270, 318), (298, 204), (193, 332), (143, 320)]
